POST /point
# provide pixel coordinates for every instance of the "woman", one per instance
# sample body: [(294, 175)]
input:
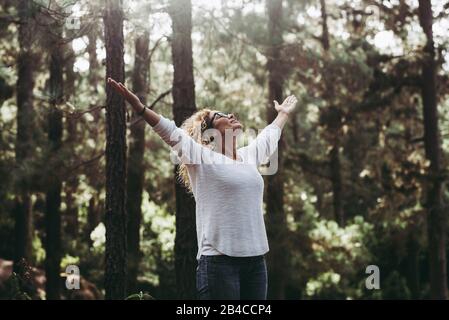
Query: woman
[(228, 191)]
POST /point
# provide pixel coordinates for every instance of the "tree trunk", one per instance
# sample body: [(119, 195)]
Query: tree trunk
[(93, 218), (72, 224), (115, 216), (334, 127), (54, 184), (25, 83), (412, 263), (135, 164), (436, 215), (276, 224), (93, 60), (325, 30), (183, 106), (337, 186)]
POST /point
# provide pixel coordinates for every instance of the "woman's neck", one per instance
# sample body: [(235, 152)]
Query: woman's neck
[(228, 149)]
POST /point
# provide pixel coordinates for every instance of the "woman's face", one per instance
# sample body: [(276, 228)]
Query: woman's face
[(222, 123)]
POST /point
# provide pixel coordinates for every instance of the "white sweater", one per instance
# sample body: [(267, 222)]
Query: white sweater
[(228, 193)]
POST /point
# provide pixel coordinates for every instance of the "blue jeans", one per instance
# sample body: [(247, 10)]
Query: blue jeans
[(231, 278)]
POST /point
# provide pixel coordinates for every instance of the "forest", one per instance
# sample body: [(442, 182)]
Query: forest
[(90, 206)]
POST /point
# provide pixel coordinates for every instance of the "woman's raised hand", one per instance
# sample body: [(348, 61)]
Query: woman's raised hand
[(128, 95), (287, 106)]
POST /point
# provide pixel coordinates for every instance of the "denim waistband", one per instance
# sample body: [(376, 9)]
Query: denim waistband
[(223, 258)]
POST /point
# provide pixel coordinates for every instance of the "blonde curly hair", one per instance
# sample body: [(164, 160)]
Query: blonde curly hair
[(194, 126)]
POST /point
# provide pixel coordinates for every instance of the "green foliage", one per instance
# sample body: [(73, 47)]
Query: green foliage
[(157, 246), (140, 296), (38, 250), (11, 289), (337, 258), (395, 287)]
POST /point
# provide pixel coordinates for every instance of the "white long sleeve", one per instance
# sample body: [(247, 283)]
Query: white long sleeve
[(263, 146), (188, 150)]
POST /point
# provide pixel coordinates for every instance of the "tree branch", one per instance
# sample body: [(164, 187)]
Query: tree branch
[(78, 114), (152, 105), (84, 163), (156, 45)]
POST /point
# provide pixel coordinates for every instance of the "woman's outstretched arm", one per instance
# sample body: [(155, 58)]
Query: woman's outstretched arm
[(189, 151), (149, 115), (266, 141), (284, 110)]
